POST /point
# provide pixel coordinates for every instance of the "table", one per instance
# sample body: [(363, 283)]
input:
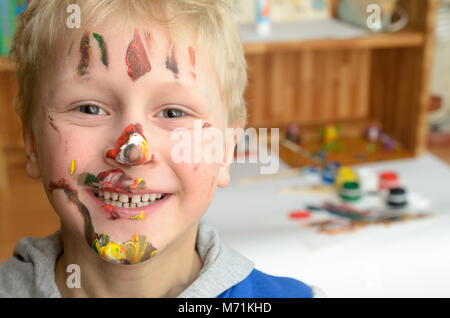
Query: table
[(408, 259)]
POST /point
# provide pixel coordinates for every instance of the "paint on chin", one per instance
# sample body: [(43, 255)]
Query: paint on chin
[(134, 251), (137, 59)]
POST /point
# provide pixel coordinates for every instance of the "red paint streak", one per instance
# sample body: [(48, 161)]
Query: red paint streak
[(112, 214), (193, 62), (54, 127), (300, 214), (137, 59), (52, 124), (123, 139), (211, 187), (206, 125), (192, 56), (61, 184)]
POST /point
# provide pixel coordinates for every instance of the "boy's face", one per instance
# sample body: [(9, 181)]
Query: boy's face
[(103, 140)]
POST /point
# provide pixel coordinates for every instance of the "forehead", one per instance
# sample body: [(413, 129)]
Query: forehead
[(173, 57)]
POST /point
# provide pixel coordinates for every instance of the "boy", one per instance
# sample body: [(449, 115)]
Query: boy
[(99, 106)]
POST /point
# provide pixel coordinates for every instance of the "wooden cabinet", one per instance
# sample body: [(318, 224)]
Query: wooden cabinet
[(381, 78)]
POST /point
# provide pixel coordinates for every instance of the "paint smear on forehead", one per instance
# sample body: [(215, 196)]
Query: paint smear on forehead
[(85, 48), (171, 62), (137, 59), (103, 49), (192, 59)]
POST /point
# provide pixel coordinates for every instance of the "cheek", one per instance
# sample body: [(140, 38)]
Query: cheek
[(62, 154)]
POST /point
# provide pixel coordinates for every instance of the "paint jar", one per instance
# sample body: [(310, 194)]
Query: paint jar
[(397, 198), (350, 191), (345, 174), (263, 23), (329, 172), (388, 180), (368, 180)]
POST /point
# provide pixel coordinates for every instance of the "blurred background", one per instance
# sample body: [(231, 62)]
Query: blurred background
[(360, 93)]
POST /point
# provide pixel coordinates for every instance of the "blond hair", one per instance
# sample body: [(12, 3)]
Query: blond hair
[(42, 28)]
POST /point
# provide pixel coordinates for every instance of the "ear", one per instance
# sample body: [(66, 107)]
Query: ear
[(231, 140), (32, 167)]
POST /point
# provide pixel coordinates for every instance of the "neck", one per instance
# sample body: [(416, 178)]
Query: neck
[(166, 274)]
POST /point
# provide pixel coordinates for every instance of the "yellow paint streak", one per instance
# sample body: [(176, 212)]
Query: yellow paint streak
[(73, 166), (139, 217)]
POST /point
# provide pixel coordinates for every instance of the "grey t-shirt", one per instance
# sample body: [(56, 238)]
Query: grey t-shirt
[(31, 271)]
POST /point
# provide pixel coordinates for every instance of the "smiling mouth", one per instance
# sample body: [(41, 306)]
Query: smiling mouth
[(128, 201)]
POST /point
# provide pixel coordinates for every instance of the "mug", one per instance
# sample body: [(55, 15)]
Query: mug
[(364, 14)]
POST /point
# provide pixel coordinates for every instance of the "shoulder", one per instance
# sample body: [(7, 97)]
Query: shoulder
[(15, 277), (30, 272), (261, 285)]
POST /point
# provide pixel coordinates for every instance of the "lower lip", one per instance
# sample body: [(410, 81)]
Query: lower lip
[(125, 213)]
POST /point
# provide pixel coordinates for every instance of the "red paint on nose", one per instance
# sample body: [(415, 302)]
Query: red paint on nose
[(134, 157)]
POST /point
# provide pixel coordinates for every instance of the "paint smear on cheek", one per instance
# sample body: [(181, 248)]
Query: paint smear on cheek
[(70, 49), (52, 124), (85, 48), (73, 167), (207, 125), (137, 59)]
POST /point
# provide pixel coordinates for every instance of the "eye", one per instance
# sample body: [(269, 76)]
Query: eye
[(91, 110), (171, 113)]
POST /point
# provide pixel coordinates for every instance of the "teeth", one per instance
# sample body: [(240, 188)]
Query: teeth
[(123, 198), (136, 198), (128, 201)]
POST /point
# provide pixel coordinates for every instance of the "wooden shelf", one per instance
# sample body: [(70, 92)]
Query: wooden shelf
[(6, 65), (371, 41)]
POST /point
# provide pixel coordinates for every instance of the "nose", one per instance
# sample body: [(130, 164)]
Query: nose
[(131, 148)]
